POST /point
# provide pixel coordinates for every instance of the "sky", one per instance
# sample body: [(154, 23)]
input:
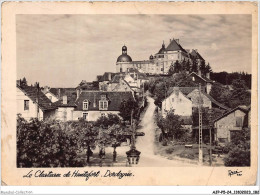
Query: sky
[(63, 50)]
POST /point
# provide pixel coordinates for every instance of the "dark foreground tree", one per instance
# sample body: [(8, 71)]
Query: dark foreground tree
[(126, 108), (46, 144)]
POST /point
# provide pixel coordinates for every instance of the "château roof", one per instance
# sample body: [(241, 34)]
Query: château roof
[(196, 55), (174, 46)]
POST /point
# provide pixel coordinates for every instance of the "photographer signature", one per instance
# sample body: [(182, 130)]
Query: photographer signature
[(238, 173)]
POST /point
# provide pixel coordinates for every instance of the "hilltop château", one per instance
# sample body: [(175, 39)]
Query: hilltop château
[(161, 61)]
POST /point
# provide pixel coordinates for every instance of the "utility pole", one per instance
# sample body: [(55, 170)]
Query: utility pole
[(37, 99), (210, 138), (200, 129)]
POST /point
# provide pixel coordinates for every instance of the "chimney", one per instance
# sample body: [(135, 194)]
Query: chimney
[(176, 90), (199, 73), (64, 99), (109, 76), (208, 75), (177, 40)]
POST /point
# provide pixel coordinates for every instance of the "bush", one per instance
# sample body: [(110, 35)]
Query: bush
[(239, 149)]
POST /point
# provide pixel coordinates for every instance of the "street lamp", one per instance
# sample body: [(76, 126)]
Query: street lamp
[(133, 155)]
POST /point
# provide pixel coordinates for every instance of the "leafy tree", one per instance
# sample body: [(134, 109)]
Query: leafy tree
[(240, 94), (194, 65), (177, 67), (46, 144), (126, 108), (220, 93), (171, 125), (187, 65), (239, 149), (171, 69), (109, 120), (202, 68), (208, 68)]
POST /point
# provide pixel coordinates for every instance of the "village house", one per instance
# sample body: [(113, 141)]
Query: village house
[(178, 102), (118, 83), (206, 100), (94, 104), (56, 94), (32, 103), (65, 108), (231, 122), (204, 81)]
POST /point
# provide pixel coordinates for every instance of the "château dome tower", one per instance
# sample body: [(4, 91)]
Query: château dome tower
[(124, 61)]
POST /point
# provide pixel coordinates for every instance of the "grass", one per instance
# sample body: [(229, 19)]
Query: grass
[(177, 151)]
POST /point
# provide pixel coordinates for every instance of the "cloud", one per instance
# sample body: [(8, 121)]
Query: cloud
[(62, 50), (214, 46)]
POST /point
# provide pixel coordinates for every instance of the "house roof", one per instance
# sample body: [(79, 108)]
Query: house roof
[(242, 108), (43, 102), (88, 85), (105, 76), (174, 46), (196, 55), (114, 99), (185, 90), (203, 78), (116, 79), (210, 98), (63, 91), (216, 102)]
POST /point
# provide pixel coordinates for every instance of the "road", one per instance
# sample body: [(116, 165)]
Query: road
[(145, 144)]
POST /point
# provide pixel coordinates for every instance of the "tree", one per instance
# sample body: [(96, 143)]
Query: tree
[(46, 144), (187, 65), (240, 94), (239, 149), (109, 120), (202, 68), (87, 135), (171, 69), (171, 125), (220, 93), (177, 67), (126, 108), (208, 68), (194, 65)]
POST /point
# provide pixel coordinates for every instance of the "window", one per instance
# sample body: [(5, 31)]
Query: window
[(238, 121), (85, 105), (85, 115), (103, 105), (103, 114), (26, 104)]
